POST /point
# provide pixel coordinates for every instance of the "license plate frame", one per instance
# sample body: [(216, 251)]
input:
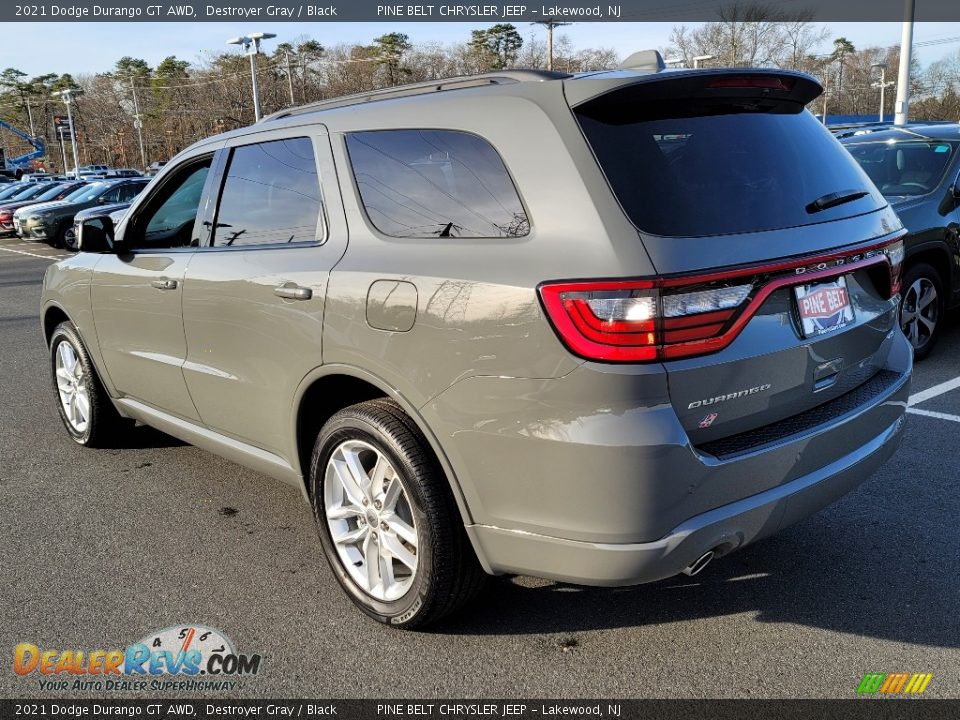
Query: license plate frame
[(823, 307)]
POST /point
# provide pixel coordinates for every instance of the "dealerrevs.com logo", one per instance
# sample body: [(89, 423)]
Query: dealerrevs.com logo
[(180, 657)]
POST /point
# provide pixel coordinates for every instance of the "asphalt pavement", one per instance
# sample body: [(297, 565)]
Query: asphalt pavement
[(100, 547)]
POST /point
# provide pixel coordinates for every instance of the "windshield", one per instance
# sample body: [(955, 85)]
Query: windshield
[(90, 192), (911, 166), (10, 191), (30, 192), (702, 167), (53, 193)]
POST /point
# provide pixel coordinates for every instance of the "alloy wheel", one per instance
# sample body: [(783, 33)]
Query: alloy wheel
[(72, 387), (919, 312), (370, 520)]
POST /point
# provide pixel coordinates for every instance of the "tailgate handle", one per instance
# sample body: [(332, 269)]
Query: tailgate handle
[(826, 374)]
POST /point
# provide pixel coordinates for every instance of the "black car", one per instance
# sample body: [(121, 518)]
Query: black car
[(918, 170)]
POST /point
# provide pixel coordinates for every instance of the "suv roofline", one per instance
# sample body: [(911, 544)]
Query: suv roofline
[(502, 77)]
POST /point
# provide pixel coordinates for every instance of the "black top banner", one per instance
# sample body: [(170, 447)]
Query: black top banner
[(492, 12), (484, 709)]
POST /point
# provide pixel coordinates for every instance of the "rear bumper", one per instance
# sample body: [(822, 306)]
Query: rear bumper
[(591, 479), (723, 529)]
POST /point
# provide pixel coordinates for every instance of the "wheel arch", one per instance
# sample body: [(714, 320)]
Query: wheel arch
[(331, 388), (936, 256), (52, 316)]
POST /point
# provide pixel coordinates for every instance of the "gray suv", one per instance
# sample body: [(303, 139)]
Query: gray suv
[(598, 328)]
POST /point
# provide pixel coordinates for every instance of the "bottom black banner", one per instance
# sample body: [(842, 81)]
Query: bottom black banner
[(914, 709)]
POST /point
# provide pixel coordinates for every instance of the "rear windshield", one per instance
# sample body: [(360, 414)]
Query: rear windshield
[(903, 167), (712, 168)]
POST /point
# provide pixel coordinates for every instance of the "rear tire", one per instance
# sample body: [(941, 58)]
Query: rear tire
[(382, 505), (84, 405), (921, 308)]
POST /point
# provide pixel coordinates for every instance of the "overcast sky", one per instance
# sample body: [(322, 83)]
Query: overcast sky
[(80, 48)]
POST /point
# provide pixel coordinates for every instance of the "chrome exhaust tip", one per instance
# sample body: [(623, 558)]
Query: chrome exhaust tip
[(699, 564)]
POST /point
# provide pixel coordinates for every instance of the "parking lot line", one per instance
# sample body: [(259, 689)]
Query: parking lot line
[(933, 392), (934, 414), (42, 257)]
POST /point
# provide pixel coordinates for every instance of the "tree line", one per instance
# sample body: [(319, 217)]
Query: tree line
[(178, 102)]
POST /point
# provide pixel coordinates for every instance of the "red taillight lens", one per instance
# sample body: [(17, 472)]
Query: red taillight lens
[(613, 321), (667, 318), (6, 216), (895, 254), (635, 321)]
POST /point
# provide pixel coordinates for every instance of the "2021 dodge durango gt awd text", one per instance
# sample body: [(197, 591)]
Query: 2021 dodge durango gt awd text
[(648, 320)]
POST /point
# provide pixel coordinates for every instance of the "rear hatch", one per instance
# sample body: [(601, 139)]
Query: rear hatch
[(777, 259)]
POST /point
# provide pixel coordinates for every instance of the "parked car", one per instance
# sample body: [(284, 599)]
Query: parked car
[(36, 177), (114, 211), (53, 222), (599, 328), (155, 167), (123, 173), (25, 191), (101, 169), (58, 191), (918, 170)]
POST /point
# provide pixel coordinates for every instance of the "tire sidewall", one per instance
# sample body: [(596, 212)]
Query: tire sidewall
[(405, 609), (66, 333)]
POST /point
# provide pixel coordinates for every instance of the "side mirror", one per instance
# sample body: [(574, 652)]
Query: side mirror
[(96, 235)]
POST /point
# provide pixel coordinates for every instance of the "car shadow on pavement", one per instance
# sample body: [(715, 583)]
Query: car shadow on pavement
[(870, 581)]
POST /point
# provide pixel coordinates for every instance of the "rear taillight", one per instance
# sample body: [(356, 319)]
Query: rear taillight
[(665, 318), (895, 254), (6, 217)]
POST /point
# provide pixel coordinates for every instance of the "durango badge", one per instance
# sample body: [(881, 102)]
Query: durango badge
[(729, 396)]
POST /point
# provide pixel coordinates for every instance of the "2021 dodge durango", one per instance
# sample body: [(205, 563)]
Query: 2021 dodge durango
[(598, 328)]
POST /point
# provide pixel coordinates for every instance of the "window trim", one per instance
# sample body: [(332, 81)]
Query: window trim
[(344, 134), (322, 232)]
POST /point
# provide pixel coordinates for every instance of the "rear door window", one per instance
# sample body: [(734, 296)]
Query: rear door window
[(435, 183), (271, 195), (696, 167)]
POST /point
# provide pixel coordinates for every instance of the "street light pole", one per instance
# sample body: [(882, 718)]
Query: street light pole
[(902, 106), (251, 46), (68, 97)]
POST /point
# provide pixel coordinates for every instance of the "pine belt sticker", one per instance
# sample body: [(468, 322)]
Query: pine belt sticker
[(824, 307)]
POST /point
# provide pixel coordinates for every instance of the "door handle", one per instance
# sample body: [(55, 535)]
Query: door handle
[(293, 292), (164, 284)]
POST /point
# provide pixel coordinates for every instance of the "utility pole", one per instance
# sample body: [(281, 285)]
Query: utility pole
[(290, 78), (550, 24), (68, 96), (138, 123), (902, 106), (883, 85)]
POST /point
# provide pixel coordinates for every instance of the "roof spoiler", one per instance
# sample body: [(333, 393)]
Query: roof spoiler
[(649, 60)]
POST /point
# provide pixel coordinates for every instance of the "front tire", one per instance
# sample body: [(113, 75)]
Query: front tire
[(85, 408), (67, 237), (921, 308), (388, 523)]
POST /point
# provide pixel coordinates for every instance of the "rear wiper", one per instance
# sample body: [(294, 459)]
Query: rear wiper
[(835, 198)]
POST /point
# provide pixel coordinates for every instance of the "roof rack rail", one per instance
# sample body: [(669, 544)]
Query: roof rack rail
[(502, 77)]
